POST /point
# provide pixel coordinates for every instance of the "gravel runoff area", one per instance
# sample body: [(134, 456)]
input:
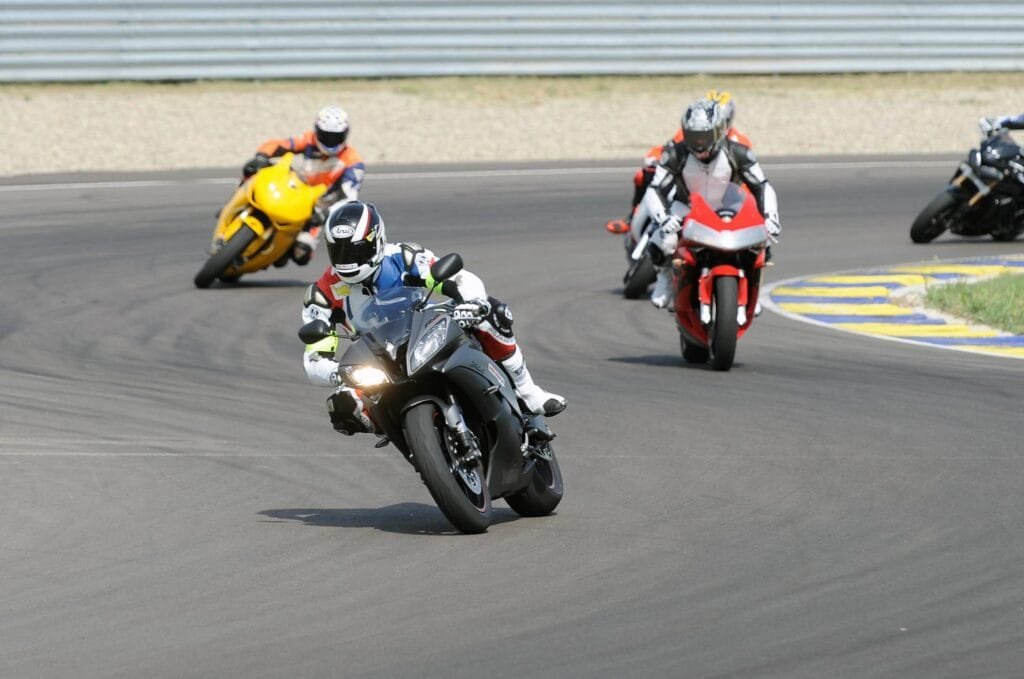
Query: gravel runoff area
[(139, 126)]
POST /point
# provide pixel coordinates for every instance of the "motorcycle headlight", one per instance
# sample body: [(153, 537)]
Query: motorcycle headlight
[(428, 344), (365, 376)]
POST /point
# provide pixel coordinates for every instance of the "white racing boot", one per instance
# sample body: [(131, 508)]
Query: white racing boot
[(539, 402), (662, 293)]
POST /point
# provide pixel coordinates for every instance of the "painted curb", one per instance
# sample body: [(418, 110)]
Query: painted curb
[(879, 302)]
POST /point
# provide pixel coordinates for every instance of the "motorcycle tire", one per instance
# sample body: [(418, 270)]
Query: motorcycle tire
[(930, 223), (638, 278), (724, 325), (466, 504), (219, 261), (545, 490), (692, 353), (1004, 235)]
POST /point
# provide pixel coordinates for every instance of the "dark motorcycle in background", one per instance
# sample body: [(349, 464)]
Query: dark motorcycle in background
[(984, 197), (449, 408)]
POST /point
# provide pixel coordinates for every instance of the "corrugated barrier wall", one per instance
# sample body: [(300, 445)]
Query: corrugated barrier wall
[(82, 40)]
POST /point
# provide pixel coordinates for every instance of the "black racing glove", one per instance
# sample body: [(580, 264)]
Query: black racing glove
[(317, 218), (255, 164)]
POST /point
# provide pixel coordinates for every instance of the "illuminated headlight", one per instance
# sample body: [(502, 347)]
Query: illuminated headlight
[(429, 344), (364, 376)]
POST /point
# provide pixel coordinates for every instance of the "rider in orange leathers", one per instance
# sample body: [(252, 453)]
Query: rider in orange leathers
[(641, 180), (322, 157)]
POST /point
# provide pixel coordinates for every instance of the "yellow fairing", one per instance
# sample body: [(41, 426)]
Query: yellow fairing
[(275, 203)]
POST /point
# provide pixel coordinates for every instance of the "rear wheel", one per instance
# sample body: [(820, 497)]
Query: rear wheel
[(459, 490), (933, 218), (219, 261), (724, 326), (545, 490), (638, 278)]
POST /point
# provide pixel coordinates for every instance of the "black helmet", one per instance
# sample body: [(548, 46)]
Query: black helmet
[(355, 240), (703, 128)]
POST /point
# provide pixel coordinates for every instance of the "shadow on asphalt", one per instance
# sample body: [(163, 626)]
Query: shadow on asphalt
[(408, 518), (659, 360)]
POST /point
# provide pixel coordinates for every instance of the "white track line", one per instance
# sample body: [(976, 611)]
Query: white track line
[(465, 174)]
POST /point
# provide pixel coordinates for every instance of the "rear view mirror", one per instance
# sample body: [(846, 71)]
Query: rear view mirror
[(446, 267), (314, 331)]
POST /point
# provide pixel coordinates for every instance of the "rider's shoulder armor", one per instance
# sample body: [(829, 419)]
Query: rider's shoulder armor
[(313, 296), (742, 156), (409, 252), (673, 157)]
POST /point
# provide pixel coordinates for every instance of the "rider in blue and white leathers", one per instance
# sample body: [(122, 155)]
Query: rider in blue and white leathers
[(705, 162), (364, 263)]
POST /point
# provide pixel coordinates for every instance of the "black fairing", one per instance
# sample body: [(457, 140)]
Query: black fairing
[(997, 162), (458, 372)]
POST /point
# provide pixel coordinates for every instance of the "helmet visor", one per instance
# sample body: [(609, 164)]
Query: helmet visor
[(345, 254), (331, 139), (701, 141)]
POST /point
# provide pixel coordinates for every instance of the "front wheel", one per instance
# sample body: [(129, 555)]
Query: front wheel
[(930, 224), (459, 490), (545, 490), (724, 325), (639, 277), (219, 261)]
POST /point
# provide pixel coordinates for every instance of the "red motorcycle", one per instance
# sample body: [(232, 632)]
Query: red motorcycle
[(718, 267)]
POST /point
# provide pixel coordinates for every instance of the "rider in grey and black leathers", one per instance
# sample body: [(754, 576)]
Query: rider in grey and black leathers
[(705, 162)]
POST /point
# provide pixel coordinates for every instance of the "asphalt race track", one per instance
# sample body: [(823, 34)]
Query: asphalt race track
[(175, 504)]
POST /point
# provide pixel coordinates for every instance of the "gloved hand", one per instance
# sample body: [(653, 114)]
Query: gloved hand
[(670, 225), (255, 164), (318, 217), (774, 227), (469, 314)]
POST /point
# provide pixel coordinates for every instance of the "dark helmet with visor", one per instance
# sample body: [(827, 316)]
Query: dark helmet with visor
[(355, 241), (703, 128)]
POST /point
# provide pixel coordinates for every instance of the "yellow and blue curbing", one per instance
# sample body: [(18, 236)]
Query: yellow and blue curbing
[(874, 302)]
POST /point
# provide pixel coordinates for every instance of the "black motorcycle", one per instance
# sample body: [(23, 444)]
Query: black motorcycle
[(985, 195), (449, 408)]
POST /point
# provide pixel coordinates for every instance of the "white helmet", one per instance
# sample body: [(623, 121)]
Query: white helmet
[(331, 129), (355, 240)]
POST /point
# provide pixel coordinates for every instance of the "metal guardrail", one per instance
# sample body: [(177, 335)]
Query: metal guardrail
[(94, 40)]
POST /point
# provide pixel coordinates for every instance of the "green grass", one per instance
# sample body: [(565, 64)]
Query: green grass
[(997, 302)]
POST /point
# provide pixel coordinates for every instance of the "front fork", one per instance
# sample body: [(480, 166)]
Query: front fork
[(967, 174), (705, 292), (461, 439)]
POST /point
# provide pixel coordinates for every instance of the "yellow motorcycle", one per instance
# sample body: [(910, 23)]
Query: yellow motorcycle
[(259, 224)]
